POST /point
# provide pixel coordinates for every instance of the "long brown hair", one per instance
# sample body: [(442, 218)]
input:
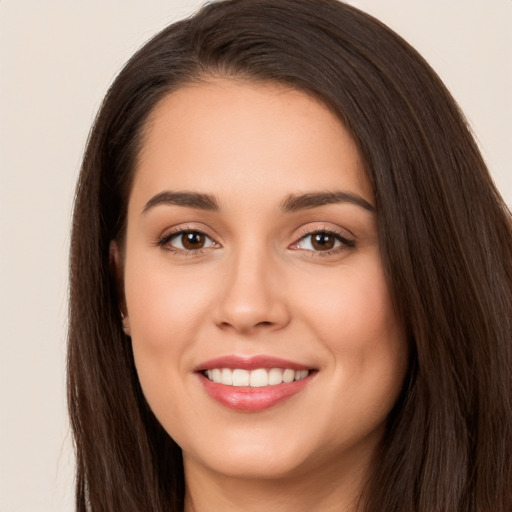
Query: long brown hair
[(446, 242)]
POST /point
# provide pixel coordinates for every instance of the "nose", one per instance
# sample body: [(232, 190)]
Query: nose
[(252, 296)]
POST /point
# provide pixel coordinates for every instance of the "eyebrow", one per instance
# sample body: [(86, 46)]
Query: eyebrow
[(188, 199), (298, 202), (293, 203)]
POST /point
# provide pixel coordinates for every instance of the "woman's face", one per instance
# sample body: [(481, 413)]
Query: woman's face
[(263, 332)]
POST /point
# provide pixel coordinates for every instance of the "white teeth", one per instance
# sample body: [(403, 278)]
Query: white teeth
[(288, 375), (254, 378), (215, 375), (240, 378), (301, 374), (259, 378), (275, 376), (226, 376)]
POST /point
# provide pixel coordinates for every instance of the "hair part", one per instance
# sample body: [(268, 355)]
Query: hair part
[(445, 236)]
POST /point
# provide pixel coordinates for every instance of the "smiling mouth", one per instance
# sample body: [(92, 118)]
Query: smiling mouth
[(258, 378), (254, 390), (253, 383)]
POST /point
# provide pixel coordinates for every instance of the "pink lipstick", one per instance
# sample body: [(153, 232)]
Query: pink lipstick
[(252, 384)]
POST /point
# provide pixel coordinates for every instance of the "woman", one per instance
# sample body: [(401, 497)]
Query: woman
[(291, 277)]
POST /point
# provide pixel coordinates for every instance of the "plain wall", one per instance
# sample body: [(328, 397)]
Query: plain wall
[(57, 59)]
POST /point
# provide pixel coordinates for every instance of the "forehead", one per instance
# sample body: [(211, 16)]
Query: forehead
[(236, 137)]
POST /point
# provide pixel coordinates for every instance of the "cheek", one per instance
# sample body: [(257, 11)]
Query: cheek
[(164, 309), (355, 303), (165, 304), (356, 322), (353, 316)]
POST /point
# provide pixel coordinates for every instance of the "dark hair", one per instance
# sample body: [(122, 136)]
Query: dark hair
[(446, 243)]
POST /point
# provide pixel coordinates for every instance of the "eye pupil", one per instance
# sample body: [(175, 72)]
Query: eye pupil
[(193, 240), (322, 241)]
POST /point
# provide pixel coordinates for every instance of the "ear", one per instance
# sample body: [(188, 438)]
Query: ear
[(117, 270)]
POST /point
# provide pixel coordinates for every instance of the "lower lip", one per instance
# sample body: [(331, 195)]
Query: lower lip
[(252, 399)]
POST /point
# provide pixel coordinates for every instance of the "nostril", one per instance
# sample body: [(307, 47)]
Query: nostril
[(226, 325), (251, 308)]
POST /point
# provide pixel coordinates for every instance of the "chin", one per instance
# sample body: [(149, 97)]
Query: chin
[(250, 457), (260, 466)]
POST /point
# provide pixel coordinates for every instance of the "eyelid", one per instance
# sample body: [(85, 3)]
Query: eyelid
[(164, 239), (338, 233)]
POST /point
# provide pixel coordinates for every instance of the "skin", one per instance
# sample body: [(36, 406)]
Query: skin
[(259, 287)]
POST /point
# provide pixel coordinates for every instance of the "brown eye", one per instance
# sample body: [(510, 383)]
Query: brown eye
[(187, 241), (323, 241), (192, 240)]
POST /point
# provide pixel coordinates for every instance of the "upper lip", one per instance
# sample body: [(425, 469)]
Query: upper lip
[(250, 363)]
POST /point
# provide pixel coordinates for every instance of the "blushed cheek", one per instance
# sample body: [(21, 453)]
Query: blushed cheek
[(160, 319), (163, 307), (354, 313)]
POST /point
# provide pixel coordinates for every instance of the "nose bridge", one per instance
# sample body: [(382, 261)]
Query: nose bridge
[(251, 296)]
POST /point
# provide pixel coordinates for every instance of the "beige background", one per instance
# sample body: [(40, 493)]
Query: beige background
[(57, 59)]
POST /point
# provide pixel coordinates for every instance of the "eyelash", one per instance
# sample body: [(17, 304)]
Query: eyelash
[(164, 242), (346, 243)]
